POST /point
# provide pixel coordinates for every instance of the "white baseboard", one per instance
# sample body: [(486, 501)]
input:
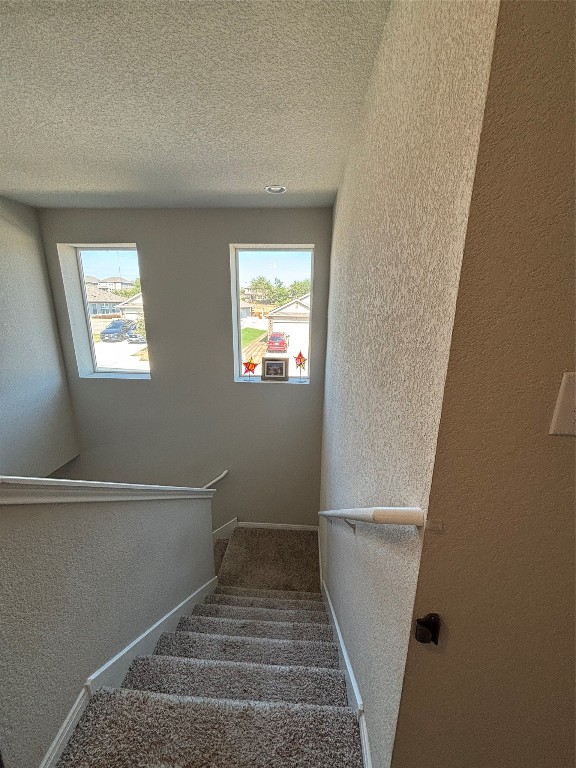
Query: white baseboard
[(366, 756), (225, 531), (279, 525), (63, 736), (354, 695), (113, 672)]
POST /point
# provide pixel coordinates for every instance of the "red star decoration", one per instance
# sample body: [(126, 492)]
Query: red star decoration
[(250, 366), (300, 361)]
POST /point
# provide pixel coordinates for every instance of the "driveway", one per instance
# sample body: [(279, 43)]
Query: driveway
[(120, 355)]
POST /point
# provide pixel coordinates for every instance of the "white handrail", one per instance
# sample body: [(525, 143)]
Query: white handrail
[(216, 479), (379, 515), (50, 490)]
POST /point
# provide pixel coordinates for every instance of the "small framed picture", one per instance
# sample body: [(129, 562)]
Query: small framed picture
[(274, 369)]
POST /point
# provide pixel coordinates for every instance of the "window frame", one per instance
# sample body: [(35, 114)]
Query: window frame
[(72, 273), (236, 324)]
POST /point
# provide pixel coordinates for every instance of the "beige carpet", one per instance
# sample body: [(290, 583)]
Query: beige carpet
[(257, 614), (136, 729), (238, 680), (269, 558), (260, 650), (250, 680), (285, 630), (249, 601)]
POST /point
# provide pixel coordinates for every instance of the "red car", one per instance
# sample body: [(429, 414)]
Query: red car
[(277, 342)]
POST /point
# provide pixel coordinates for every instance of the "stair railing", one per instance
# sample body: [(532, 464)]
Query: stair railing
[(216, 479), (49, 490), (379, 515)]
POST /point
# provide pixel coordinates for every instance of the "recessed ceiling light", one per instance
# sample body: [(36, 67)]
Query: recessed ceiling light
[(275, 189)]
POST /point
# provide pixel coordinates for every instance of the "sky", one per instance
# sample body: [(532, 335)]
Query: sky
[(286, 265), (110, 263)]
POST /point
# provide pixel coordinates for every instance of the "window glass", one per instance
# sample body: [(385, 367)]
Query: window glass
[(114, 309), (273, 302)]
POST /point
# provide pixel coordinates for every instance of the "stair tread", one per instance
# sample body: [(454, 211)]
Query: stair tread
[(237, 680), (123, 728), (258, 614), (264, 558), (308, 653), (255, 628), (266, 602), (279, 594)]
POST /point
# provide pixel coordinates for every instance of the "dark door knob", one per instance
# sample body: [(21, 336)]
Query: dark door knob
[(428, 629)]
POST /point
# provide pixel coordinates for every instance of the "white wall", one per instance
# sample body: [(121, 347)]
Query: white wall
[(191, 420), (398, 239), (37, 432), (79, 582), (499, 687)]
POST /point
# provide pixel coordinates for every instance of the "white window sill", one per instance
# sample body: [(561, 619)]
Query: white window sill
[(116, 375), (258, 380)]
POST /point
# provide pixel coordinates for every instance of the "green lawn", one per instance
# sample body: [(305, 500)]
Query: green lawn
[(250, 334)]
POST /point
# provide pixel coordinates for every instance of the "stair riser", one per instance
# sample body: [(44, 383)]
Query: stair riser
[(259, 651), (273, 629), (275, 594), (264, 602), (186, 677), (257, 614)]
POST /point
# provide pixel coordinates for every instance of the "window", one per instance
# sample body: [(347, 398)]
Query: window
[(271, 305), (114, 308)]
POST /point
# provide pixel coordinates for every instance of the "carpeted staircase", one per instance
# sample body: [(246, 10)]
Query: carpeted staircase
[(250, 680)]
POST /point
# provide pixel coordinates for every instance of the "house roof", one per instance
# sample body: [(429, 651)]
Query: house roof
[(299, 306), (117, 279), (135, 300), (91, 279), (100, 296)]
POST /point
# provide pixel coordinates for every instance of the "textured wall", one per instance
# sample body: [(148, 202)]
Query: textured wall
[(191, 420), (95, 578), (398, 240), (37, 432), (499, 689)]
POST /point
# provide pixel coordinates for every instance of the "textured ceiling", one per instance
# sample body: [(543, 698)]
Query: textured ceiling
[(181, 102)]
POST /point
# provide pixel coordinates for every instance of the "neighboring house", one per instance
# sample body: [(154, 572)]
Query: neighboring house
[(254, 297), (115, 283), (101, 302), (245, 309), (290, 316), (132, 308), (293, 319), (91, 280)]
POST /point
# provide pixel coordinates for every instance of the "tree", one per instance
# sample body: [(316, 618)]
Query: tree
[(277, 293), (299, 288), (280, 293), (262, 285), (129, 292)]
